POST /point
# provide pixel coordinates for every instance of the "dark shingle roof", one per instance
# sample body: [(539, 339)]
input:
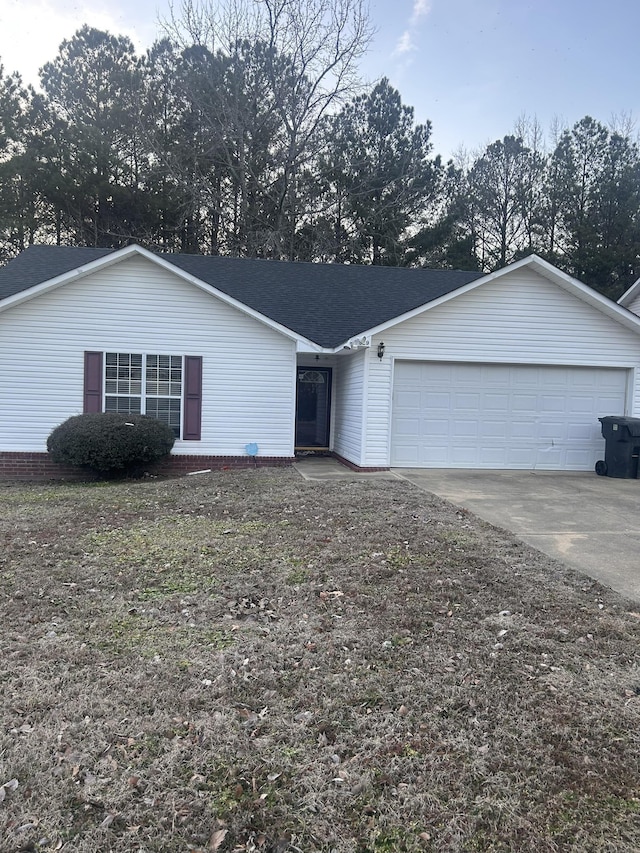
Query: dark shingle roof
[(40, 263), (327, 303)]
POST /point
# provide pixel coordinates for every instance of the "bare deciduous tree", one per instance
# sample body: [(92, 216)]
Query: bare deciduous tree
[(307, 55)]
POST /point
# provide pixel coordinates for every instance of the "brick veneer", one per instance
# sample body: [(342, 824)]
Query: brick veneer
[(355, 467), (40, 466)]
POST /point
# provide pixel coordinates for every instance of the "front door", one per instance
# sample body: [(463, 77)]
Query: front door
[(313, 408)]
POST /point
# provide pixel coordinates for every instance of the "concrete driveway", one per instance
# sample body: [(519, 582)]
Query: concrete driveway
[(591, 523)]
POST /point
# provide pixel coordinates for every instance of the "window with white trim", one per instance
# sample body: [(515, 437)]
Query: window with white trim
[(144, 384)]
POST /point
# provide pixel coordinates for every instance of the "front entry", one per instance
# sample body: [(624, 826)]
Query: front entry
[(313, 408)]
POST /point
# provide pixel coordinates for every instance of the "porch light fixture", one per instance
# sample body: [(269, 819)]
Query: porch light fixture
[(380, 350)]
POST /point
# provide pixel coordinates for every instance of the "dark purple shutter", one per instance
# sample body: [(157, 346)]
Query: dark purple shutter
[(192, 397), (92, 382)]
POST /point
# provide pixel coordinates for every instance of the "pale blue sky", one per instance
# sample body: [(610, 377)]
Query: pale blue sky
[(470, 66)]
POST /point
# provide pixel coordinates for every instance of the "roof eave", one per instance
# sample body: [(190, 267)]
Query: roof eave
[(414, 312), (229, 300), (544, 268), (629, 295), (70, 275), (119, 255), (587, 294)]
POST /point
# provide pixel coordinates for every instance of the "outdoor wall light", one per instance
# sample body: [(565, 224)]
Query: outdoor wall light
[(380, 350)]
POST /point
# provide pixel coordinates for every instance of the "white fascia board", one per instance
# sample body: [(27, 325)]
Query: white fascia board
[(582, 291), (224, 297), (71, 275), (544, 268), (305, 345), (630, 294)]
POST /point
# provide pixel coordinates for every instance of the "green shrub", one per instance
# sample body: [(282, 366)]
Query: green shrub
[(110, 443)]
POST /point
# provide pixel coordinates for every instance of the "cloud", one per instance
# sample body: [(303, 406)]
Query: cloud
[(31, 31), (421, 9), (406, 43)]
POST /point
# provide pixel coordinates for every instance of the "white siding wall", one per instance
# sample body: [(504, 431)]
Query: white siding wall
[(349, 405), (134, 306), (520, 319)]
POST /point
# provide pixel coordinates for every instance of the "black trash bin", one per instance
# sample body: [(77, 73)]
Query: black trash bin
[(622, 448)]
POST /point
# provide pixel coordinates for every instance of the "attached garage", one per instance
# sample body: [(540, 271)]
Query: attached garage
[(466, 415)]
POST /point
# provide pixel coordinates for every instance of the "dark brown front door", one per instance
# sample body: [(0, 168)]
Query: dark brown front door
[(313, 407)]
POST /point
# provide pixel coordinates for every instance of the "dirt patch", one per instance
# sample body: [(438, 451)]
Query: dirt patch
[(247, 661)]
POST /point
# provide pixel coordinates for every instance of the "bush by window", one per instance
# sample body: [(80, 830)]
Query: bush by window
[(110, 442)]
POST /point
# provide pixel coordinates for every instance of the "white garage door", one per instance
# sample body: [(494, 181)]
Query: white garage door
[(501, 416)]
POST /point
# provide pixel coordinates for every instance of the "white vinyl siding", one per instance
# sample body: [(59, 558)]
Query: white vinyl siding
[(349, 406), (522, 318), (248, 392)]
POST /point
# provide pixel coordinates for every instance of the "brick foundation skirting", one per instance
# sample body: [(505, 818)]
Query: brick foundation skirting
[(40, 466), (355, 467)]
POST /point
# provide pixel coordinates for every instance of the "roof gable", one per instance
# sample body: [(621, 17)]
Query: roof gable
[(38, 264), (323, 303), (630, 295)]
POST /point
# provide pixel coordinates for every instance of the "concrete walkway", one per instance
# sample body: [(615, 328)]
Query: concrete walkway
[(591, 523), (328, 468)]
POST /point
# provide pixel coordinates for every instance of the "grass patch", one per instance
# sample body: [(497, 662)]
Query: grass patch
[(288, 666)]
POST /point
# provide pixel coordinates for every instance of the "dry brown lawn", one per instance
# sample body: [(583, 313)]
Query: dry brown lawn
[(252, 662)]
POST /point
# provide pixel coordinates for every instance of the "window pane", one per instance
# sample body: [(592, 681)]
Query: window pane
[(123, 373), (164, 375), (165, 410), (123, 405)]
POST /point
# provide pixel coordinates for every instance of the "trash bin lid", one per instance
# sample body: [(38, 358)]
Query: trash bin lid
[(632, 424)]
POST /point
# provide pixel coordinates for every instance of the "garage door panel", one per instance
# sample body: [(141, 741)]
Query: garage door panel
[(492, 457), (523, 430), (552, 403), (582, 432), (409, 457), (408, 399), (493, 402), (408, 427), (442, 373), (521, 376), (493, 429), (616, 381), (607, 403), (470, 373), (464, 456), (524, 403), (588, 381), (581, 405), (467, 401), (465, 429), (437, 428), (435, 455), (552, 431), (522, 456), (502, 416)]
